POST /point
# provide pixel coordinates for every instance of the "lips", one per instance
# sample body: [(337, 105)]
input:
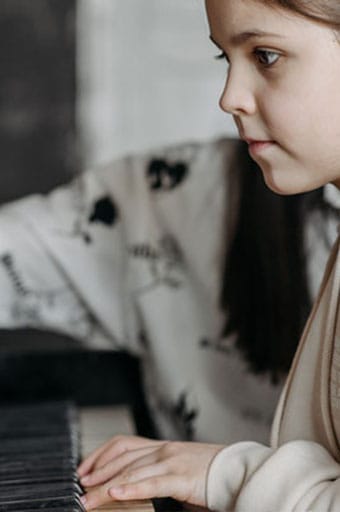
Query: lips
[(258, 146)]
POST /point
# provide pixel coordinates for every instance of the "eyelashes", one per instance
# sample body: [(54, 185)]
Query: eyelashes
[(263, 57), (221, 56), (266, 58)]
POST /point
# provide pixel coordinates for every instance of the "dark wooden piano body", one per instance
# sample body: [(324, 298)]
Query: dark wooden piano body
[(39, 453), (105, 387)]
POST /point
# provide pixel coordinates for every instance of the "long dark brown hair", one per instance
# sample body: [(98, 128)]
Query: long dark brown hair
[(265, 291)]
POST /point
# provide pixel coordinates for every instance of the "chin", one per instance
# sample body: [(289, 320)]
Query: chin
[(285, 183), (279, 188)]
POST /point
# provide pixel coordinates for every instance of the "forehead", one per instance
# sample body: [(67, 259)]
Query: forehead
[(227, 18)]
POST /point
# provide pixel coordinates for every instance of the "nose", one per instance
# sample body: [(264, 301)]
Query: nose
[(238, 96)]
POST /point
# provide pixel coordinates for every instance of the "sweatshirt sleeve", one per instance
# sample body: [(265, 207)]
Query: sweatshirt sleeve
[(300, 476), (79, 259), (63, 264)]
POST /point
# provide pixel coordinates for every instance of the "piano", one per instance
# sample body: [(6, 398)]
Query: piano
[(60, 405), (40, 447)]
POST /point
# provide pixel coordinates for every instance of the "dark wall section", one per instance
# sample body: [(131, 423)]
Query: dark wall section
[(37, 126), (37, 95)]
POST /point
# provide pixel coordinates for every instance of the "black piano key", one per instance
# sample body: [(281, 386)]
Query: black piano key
[(40, 479), (42, 504), (54, 509), (70, 508), (37, 457), (46, 490), (39, 452), (50, 466)]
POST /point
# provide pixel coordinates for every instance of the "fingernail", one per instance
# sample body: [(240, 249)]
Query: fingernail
[(83, 500), (85, 479)]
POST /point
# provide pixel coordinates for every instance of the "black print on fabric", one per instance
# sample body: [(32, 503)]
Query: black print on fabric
[(78, 227), (7, 261), (219, 345), (186, 414), (104, 212), (77, 231), (164, 176), (32, 307), (143, 339), (165, 262)]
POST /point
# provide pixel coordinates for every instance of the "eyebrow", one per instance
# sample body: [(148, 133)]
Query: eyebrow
[(243, 37)]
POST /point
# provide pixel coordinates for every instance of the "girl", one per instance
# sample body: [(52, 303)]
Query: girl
[(282, 90)]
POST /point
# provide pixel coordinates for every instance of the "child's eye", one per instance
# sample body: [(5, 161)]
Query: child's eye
[(266, 58), (222, 56)]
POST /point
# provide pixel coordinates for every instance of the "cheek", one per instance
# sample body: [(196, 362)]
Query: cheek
[(328, 121), (316, 122), (305, 102), (284, 119), (305, 118), (317, 108)]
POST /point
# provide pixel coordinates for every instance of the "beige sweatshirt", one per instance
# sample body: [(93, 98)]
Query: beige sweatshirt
[(300, 472)]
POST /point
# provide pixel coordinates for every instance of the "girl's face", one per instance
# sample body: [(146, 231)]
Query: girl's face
[(283, 90)]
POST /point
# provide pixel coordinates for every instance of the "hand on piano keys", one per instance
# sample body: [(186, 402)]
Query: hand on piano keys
[(98, 425), (135, 468), (39, 452)]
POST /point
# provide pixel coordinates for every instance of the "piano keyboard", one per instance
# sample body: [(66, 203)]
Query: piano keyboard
[(39, 454)]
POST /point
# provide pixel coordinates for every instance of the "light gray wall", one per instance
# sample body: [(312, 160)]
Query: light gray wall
[(147, 76)]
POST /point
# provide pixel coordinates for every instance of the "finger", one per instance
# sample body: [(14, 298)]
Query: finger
[(114, 467), (109, 450), (98, 496), (120, 449), (86, 465), (160, 486)]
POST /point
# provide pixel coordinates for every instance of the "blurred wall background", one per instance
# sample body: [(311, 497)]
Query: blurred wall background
[(83, 81), (37, 95), (147, 76)]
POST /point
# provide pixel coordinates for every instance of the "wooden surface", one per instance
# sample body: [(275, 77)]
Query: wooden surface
[(128, 506), (99, 424)]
